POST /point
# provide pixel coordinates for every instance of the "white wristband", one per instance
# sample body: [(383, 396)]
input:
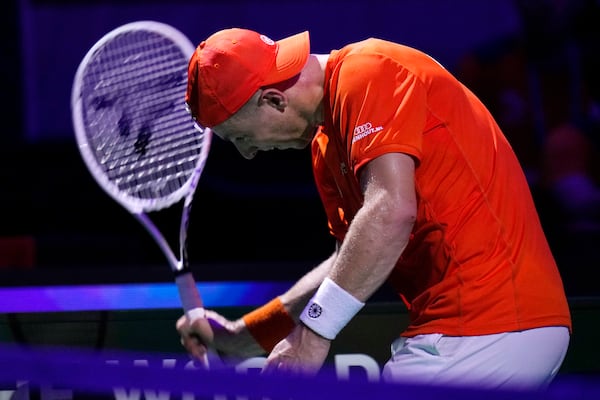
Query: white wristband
[(330, 309)]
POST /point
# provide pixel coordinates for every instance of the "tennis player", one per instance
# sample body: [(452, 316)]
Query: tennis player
[(421, 189)]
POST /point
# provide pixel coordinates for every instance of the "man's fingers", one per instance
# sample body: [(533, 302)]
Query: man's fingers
[(202, 330), (287, 366), (182, 324), (273, 366), (199, 353), (195, 348)]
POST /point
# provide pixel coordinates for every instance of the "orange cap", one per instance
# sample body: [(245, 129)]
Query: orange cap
[(231, 65)]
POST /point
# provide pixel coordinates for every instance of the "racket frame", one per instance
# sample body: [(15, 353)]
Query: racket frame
[(139, 208), (133, 204)]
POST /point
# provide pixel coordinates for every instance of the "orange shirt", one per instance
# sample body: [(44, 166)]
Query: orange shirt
[(478, 261)]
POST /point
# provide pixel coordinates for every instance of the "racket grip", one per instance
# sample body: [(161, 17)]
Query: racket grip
[(191, 301), (190, 296)]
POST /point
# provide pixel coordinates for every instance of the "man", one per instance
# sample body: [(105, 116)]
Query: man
[(420, 188)]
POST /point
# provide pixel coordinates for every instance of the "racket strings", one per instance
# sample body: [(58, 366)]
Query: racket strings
[(157, 175), (140, 135), (164, 172), (176, 151), (162, 147), (155, 97), (118, 64), (173, 159), (168, 131)]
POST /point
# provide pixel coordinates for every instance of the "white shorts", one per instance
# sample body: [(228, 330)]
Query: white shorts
[(524, 360)]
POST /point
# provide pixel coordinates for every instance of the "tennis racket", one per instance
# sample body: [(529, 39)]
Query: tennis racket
[(136, 135)]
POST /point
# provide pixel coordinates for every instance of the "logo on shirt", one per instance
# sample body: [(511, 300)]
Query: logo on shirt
[(365, 130)]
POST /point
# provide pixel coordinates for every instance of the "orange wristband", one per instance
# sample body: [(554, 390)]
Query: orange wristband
[(269, 324)]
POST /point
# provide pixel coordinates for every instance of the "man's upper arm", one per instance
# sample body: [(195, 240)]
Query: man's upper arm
[(391, 174)]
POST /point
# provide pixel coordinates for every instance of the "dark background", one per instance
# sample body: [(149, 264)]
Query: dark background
[(531, 62)]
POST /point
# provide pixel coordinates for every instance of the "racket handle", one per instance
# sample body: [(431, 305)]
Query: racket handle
[(191, 301), (190, 296)]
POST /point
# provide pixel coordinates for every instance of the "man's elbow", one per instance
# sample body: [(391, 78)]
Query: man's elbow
[(398, 219)]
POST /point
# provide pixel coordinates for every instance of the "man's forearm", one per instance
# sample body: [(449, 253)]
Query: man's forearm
[(375, 241), (298, 295)]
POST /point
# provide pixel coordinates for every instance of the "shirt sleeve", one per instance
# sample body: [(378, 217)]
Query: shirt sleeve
[(381, 107)]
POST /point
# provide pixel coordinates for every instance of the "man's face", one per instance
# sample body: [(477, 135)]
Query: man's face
[(281, 132)]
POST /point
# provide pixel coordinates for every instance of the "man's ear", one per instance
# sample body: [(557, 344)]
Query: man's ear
[(274, 98)]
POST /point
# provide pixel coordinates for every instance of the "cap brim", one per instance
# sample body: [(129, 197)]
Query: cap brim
[(292, 54)]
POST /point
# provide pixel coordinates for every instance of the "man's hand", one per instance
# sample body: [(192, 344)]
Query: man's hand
[(197, 337), (228, 337), (303, 352)]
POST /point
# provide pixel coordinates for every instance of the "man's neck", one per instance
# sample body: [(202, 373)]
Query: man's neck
[(322, 58), (319, 64)]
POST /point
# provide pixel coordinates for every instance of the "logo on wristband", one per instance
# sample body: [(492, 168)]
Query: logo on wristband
[(315, 310)]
